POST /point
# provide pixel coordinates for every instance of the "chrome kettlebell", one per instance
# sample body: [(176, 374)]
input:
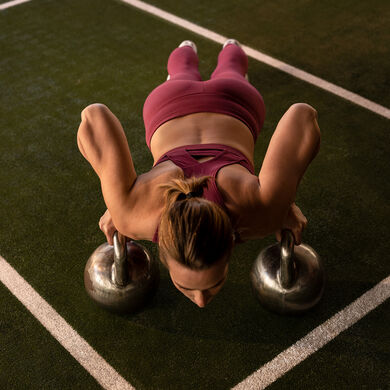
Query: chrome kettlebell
[(123, 277), (287, 279)]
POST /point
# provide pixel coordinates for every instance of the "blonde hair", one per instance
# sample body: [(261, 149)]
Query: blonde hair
[(193, 231)]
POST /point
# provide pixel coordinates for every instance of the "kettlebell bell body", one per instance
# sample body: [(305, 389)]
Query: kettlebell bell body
[(288, 279), (121, 278)]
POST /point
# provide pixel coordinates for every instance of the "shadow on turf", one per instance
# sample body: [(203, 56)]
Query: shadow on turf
[(236, 316)]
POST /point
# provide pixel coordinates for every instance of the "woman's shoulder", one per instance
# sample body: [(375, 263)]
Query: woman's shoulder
[(237, 185), (146, 202), (240, 190)]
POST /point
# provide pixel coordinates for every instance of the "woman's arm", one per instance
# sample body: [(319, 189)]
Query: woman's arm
[(103, 143), (293, 146)]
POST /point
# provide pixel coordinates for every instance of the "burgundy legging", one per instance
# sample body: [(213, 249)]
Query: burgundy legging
[(232, 63), (227, 92)]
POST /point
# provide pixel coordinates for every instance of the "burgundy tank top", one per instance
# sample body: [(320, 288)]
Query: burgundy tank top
[(185, 158)]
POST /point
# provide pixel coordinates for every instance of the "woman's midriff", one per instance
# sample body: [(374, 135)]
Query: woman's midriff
[(202, 128)]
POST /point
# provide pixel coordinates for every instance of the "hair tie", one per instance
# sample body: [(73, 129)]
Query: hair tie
[(191, 195)]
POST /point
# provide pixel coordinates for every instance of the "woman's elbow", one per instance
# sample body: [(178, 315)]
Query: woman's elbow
[(99, 125), (306, 117), (89, 129), (93, 112), (303, 110)]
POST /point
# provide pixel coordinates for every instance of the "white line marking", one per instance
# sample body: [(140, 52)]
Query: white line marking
[(12, 4), (109, 379), (317, 338), (105, 375), (284, 67)]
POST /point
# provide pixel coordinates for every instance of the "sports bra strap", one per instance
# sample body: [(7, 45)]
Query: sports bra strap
[(184, 157)]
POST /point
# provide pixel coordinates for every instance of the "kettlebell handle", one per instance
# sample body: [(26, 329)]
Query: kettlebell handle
[(120, 274), (287, 268)]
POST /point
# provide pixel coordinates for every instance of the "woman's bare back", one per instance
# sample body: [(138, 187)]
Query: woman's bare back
[(202, 128), (233, 181)]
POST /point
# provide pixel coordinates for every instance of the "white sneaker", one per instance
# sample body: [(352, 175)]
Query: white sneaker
[(231, 42), (191, 44)]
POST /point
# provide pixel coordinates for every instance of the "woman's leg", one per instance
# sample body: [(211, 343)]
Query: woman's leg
[(230, 77), (232, 63), (183, 64)]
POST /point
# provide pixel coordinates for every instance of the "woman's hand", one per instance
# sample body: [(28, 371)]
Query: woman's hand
[(107, 226), (294, 221)]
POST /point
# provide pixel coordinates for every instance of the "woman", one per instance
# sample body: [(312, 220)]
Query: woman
[(201, 195)]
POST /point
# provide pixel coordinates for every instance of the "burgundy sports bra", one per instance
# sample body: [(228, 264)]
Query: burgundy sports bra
[(223, 155)]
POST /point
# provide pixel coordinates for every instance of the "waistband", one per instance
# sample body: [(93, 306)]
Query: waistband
[(251, 115)]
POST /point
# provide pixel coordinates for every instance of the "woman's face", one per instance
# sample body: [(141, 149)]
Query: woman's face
[(199, 286)]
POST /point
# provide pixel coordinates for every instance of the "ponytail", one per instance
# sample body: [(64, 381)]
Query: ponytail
[(183, 189), (193, 231)]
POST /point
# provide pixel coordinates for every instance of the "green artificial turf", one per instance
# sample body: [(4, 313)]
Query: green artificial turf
[(58, 57), (358, 359), (345, 42), (30, 358)]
